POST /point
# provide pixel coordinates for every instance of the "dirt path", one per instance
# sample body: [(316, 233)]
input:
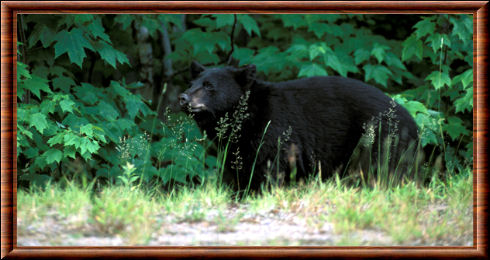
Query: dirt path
[(275, 229), (268, 229)]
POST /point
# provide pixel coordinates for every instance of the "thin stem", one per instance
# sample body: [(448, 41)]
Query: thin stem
[(232, 36), (256, 155)]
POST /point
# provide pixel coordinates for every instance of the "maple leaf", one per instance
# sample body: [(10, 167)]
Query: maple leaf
[(73, 43)]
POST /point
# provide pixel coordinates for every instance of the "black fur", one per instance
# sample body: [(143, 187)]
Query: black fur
[(327, 116)]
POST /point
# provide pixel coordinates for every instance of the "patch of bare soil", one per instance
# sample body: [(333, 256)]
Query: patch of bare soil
[(237, 228), (274, 229), (268, 229)]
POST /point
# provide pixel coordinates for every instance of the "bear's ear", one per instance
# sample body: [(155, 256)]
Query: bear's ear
[(196, 68), (245, 76)]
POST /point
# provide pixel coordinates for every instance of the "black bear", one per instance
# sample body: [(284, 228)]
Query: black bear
[(312, 125)]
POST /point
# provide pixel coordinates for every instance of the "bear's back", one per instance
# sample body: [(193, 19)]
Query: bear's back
[(317, 94)]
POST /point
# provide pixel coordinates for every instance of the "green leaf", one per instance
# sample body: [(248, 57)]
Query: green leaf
[(134, 105), (319, 29), (455, 128), (125, 20), (53, 155), (347, 29), (439, 79), (244, 55), (71, 139), (83, 19), (223, 20), (39, 121), (40, 162), (276, 33), (67, 105), (333, 62), (415, 107), (466, 78), (311, 70), (424, 27), (86, 93), (222, 40), (63, 83), (269, 59), (347, 61), (428, 129), (119, 90), (393, 61), (206, 40), (74, 122), (88, 145), (43, 33), (298, 51), (92, 146), (153, 25), (59, 71), (293, 20), (175, 19), (96, 29), (361, 55), (22, 71), (412, 46), (106, 111), (205, 22), (249, 24), (69, 151), (87, 130), (317, 50), (206, 57), (23, 131), (437, 41), (211, 161), (31, 152), (462, 27), (21, 113), (124, 124), (378, 51), (73, 43), (466, 102), (35, 84), (47, 106), (379, 73), (57, 139), (110, 55)]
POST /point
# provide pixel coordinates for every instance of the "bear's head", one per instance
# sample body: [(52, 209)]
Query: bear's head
[(216, 90)]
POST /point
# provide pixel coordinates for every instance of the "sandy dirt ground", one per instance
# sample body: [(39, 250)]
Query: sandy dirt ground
[(268, 229)]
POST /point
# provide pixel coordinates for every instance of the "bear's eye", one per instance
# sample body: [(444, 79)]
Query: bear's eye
[(208, 86)]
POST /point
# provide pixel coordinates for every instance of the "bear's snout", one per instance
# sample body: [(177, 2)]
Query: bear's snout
[(184, 99)]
